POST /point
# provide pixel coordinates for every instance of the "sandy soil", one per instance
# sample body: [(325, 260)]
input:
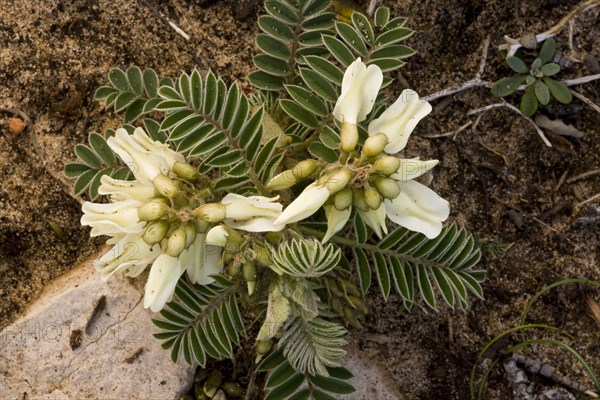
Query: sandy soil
[(500, 179)]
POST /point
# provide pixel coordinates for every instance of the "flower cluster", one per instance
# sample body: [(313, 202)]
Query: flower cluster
[(162, 218), (373, 180), (165, 218)]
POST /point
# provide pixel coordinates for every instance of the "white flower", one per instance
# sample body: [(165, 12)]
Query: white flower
[(217, 236), (144, 164), (360, 86), (253, 213), (418, 208), (305, 205), (112, 218), (123, 190), (336, 220), (375, 219), (156, 147), (130, 254), (160, 286), (399, 120), (201, 260), (412, 168)]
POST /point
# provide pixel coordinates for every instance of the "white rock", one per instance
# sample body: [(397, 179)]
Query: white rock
[(37, 360), (371, 379)]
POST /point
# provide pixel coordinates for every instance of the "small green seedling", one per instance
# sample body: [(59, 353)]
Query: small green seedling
[(539, 85)]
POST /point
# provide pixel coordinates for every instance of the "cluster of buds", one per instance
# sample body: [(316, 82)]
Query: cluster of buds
[(372, 179), (345, 299), (162, 219)]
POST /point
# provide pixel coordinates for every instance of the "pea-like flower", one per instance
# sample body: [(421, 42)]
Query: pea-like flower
[(134, 222), (391, 179), (314, 196), (400, 119), (253, 213), (360, 86), (306, 204)]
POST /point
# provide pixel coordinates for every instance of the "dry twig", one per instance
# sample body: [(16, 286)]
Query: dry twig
[(515, 109), (473, 83), (167, 20), (512, 45)]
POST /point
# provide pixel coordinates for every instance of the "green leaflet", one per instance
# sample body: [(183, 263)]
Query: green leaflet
[(405, 260), (284, 380), (202, 322)]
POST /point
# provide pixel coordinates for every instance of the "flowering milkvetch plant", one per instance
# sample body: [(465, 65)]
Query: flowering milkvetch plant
[(242, 205)]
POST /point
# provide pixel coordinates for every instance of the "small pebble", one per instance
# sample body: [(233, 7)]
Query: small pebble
[(16, 125)]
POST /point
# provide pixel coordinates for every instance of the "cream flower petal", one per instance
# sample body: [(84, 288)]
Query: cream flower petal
[(375, 219), (130, 254), (154, 146), (112, 218), (144, 164), (400, 119), (360, 87), (336, 220), (305, 205), (255, 225), (212, 265), (241, 207), (124, 190), (192, 258), (412, 168), (163, 278), (253, 213), (217, 236), (418, 208)]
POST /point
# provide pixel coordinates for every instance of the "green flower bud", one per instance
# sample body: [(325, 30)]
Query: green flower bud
[(388, 187), (375, 144), (234, 269), (274, 237), (249, 273), (201, 225), (155, 232), (249, 270), (336, 305), (281, 181), (263, 346), (165, 185), (304, 169), (186, 171), (337, 180), (232, 389), (350, 317), (343, 199), (348, 136), (372, 198), (348, 287), (358, 198), (190, 234), (176, 242), (212, 383), (210, 212), (357, 303), (261, 254), (387, 165), (152, 211)]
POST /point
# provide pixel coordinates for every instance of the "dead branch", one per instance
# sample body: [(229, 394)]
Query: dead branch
[(167, 20), (515, 109), (512, 45), (587, 101), (473, 83), (372, 7)]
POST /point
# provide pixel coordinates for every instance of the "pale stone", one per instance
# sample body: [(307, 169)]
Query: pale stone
[(371, 379), (37, 360)]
